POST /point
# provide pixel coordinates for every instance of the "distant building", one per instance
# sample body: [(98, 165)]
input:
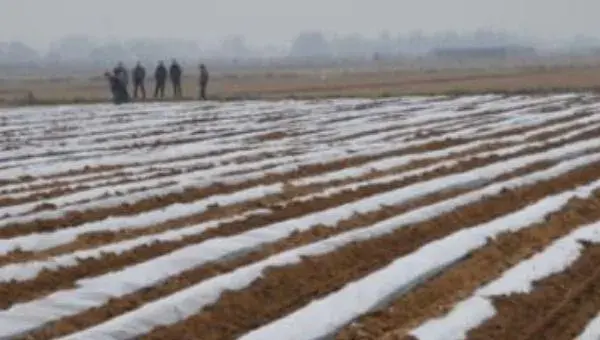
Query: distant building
[(501, 52)]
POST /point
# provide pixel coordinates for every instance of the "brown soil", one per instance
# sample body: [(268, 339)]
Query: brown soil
[(272, 136), (559, 307), (186, 279), (59, 190), (326, 273), (80, 217), (86, 170), (60, 184), (371, 80), (99, 238), (192, 194), (278, 291), (393, 128), (105, 168), (46, 281), (105, 264), (508, 197), (276, 201), (437, 296)]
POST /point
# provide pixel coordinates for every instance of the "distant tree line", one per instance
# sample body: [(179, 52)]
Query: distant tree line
[(306, 45)]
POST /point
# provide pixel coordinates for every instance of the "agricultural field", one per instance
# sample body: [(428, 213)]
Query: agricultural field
[(466, 217), (372, 81)]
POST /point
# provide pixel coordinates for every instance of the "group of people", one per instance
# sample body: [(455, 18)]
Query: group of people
[(119, 81)]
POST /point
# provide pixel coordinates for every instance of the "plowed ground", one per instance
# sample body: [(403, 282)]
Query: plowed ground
[(299, 219)]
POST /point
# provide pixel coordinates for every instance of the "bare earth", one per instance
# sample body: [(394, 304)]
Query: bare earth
[(238, 219), (324, 83)]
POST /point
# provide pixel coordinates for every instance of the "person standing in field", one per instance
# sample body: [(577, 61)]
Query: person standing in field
[(121, 72), (160, 77), (175, 73), (203, 81), (117, 88), (139, 76)]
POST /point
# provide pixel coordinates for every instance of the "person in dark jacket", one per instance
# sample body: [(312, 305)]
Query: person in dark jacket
[(160, 76), (139, 76), (175, 74), (121, 72), (117, 88), (203, 81)]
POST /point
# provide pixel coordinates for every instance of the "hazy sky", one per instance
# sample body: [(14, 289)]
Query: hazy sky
[(262, 21)]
